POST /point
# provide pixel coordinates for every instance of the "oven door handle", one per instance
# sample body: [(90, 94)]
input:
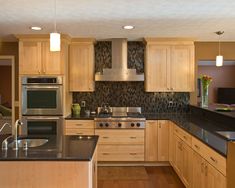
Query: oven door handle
[(42, 118), (41, 87)]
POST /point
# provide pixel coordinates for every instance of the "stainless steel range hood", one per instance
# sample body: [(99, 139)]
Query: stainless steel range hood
[(119, 70)]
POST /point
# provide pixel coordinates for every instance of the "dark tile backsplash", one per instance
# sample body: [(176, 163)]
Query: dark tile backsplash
[(129, 93)]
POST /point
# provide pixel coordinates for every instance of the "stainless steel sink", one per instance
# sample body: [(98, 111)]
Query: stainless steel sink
[(24, 142)]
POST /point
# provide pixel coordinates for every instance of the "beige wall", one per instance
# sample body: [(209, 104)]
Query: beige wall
[(222, 77), (209, 51), (5, 84)]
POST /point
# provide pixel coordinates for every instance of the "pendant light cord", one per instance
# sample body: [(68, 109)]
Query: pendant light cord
[(55, 16)]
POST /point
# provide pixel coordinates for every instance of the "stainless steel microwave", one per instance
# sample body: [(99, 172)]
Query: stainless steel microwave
[(42, 96)]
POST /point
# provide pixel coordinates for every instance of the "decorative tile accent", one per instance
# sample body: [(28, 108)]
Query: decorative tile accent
[(133, 94)]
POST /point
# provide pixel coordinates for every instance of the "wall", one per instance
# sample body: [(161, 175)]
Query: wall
[(5, 84), (209, 51), (222, 77), (129, 93)]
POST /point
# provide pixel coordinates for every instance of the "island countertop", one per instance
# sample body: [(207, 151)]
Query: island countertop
[(58, 148)]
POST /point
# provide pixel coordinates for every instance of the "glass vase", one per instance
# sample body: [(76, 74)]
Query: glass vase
[(205, 99)]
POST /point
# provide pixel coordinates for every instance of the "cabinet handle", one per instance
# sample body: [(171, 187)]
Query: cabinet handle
[(202, 167), (133, 153), (105, 137), (78, 125), (132, 137), (214, 160), (160, 126), (39, 71), (185, 137), (105, 153), (196, 146), (171, 88), (79, 133), (206, 170)]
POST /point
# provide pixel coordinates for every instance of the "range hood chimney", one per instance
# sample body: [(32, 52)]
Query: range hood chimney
[(119, 70)]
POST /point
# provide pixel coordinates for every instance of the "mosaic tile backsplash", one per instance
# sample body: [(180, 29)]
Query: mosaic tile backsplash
[(133, 94), (129, 93)]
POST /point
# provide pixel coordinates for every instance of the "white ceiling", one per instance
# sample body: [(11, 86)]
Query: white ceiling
[(104, 18)]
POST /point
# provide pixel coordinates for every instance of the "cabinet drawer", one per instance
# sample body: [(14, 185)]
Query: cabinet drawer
[(79, 124), (79, 131), (187, 138), (120, 136), (121, 152), (214, 158)]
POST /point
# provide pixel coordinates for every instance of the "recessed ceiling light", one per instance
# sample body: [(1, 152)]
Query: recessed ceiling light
[(36, 28), (128, 27)]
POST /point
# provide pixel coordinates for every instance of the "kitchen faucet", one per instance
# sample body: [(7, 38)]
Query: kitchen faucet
[(4, 125), (17, 123)]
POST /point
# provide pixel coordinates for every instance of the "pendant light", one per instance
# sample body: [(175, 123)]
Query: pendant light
[(55, 36), (219, 58)]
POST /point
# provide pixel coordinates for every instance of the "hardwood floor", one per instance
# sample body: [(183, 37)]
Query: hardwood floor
[(159, 177)]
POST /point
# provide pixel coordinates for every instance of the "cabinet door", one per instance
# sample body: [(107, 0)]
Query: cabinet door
[(52, 63), (198, 169), (182, 68), (214, 179), (81, 67), (178, 155), (163, 140), (187, 165), (157, 62), (30, 57), (171, 143), (151, 141)]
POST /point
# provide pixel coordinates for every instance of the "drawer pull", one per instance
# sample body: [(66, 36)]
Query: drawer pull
[(132, 137), (105, 137), (206, 170), (196, 146), (133, 153), (214, 160), (202, 167), (79, 133), (78, 125), (105, 153), (185, 137)]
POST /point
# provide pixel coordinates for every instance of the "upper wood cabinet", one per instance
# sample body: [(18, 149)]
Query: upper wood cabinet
[(156, 140), (82, 65), (35, 57), (169, 65)]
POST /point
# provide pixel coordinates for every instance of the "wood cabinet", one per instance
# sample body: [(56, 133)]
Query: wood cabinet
[(35, 57), (156, 140), (169, 65), (171, 143), (120, 145), (183, 161), (205, 175), (82, 65), (79, 127)]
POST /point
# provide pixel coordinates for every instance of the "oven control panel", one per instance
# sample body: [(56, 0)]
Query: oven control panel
[(120, 124)]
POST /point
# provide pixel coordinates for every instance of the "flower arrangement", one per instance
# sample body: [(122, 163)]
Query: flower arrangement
[(206, 80)]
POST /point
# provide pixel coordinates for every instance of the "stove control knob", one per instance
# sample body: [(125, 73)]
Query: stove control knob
[(101, 124), (138, 124), (119, 124), (106, 124), (132, 124)]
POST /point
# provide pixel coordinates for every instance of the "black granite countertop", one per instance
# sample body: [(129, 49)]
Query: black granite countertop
[(58, 148), (80, 117)]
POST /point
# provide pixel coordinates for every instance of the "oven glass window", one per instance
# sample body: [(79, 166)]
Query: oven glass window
[(41, 99), (42, 127)]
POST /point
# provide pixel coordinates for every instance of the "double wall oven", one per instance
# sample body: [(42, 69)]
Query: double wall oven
[(42, 105)]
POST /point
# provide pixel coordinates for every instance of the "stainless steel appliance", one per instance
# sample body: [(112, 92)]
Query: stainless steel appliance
[(42, 95), (120, 118), (42, 125)]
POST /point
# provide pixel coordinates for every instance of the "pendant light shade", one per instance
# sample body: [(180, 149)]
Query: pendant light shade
[(54, 36), (54, 42), (219, 60)]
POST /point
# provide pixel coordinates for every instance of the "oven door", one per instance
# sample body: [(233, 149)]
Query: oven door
[(42, 100), (42, 125)]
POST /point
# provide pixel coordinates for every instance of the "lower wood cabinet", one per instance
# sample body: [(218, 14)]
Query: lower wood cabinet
[(205, 175), (156, 140), (79, 127), (120, 145)]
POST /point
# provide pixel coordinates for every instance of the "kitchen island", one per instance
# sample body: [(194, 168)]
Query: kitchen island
[(65, 161)]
